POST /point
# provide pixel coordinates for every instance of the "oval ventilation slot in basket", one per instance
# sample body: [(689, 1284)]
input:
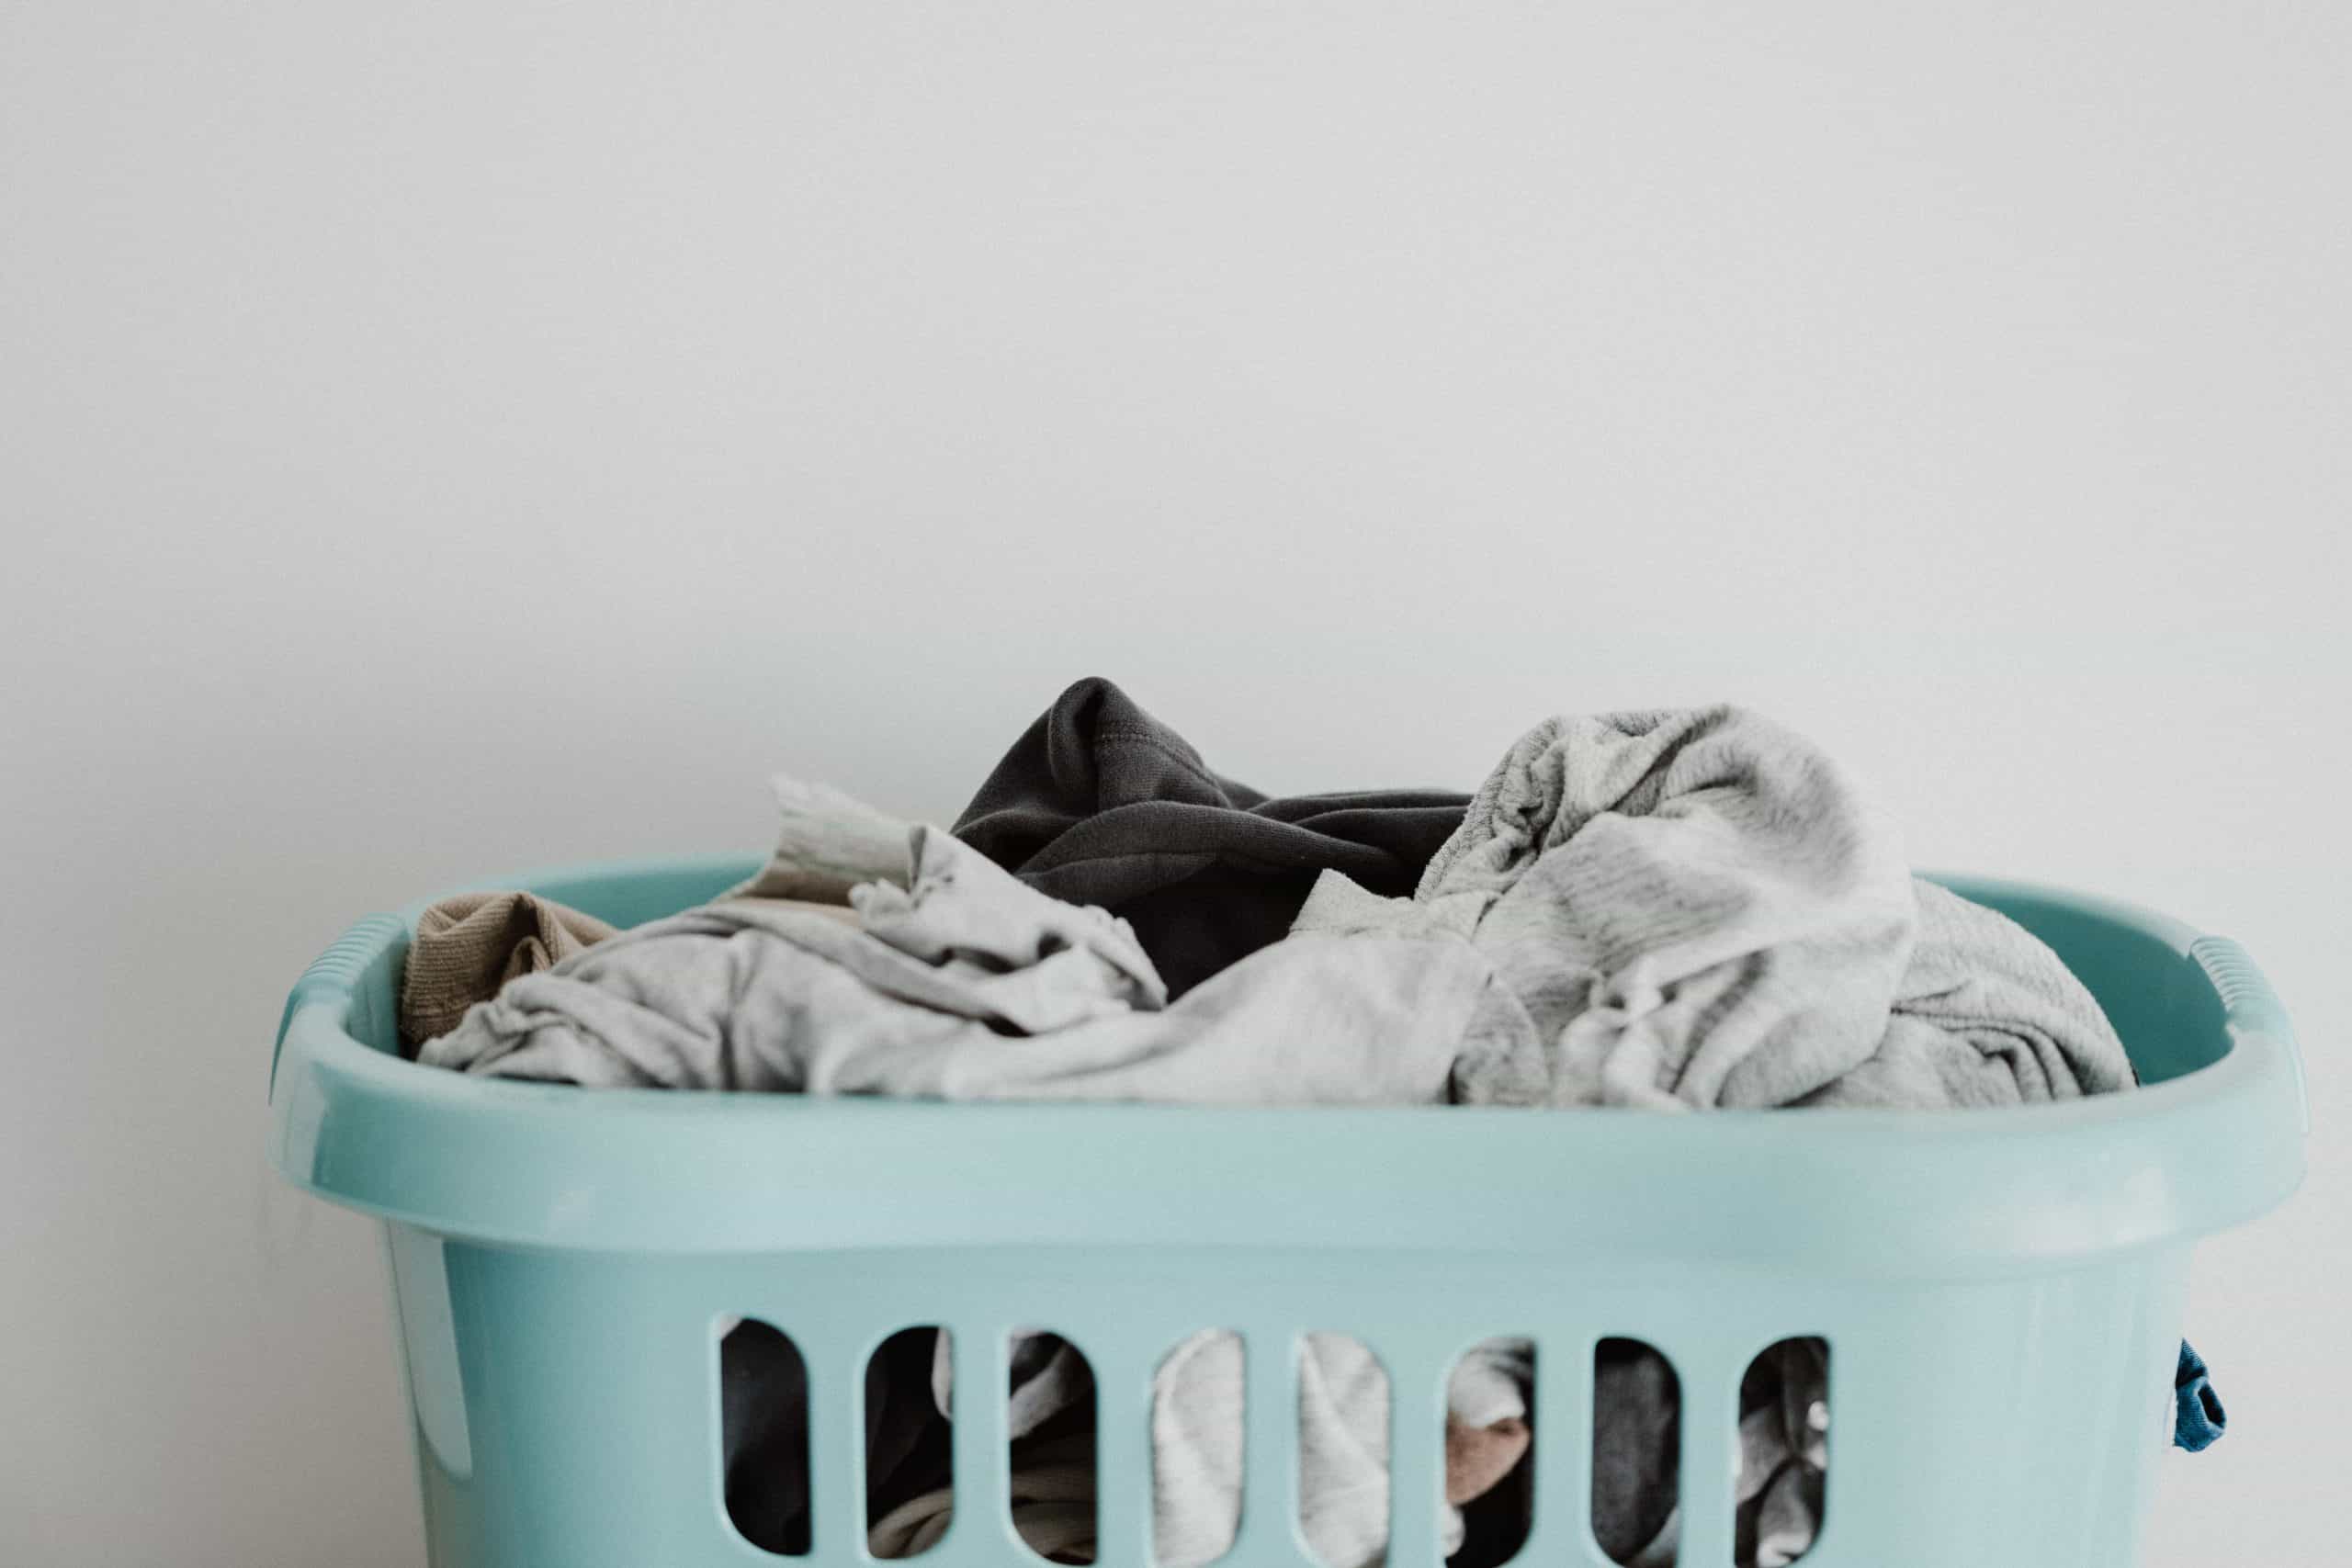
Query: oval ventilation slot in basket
[(763, 1434)]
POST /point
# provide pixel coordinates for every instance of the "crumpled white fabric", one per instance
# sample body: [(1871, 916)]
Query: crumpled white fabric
[(827, 842), (946, 967), (1698, 908)]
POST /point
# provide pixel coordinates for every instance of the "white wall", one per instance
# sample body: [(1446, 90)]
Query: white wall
[(442, 437)]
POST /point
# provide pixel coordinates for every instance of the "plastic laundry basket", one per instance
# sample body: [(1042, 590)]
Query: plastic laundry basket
[(2001, 1290)]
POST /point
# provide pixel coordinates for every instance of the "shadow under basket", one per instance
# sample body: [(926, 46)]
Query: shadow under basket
[(2001, 1290)]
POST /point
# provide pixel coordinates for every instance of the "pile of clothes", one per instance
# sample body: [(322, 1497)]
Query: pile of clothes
[(1675, 910)]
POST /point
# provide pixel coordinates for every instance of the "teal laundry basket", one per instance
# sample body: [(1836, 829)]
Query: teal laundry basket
[(2001, 1291)]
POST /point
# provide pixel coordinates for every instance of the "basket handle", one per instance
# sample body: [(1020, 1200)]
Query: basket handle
[(2252, 1005), (332, 976)]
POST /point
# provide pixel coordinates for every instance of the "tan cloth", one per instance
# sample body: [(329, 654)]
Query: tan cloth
[(1477, 1457), (468, 946)]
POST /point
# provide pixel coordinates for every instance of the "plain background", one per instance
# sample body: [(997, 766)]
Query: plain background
[(438, 438)]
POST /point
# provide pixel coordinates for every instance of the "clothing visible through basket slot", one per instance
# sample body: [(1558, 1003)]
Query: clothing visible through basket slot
[(1196, 1449), (1664, 909)]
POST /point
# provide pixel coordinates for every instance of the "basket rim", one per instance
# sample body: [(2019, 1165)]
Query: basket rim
[(1864, 1192)]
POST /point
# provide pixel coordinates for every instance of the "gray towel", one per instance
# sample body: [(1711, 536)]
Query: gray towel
[(1985, 1015), (1694, 908), (1698, 909)]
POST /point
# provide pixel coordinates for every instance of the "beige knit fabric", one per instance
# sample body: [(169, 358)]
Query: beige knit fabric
[(468, 946)]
